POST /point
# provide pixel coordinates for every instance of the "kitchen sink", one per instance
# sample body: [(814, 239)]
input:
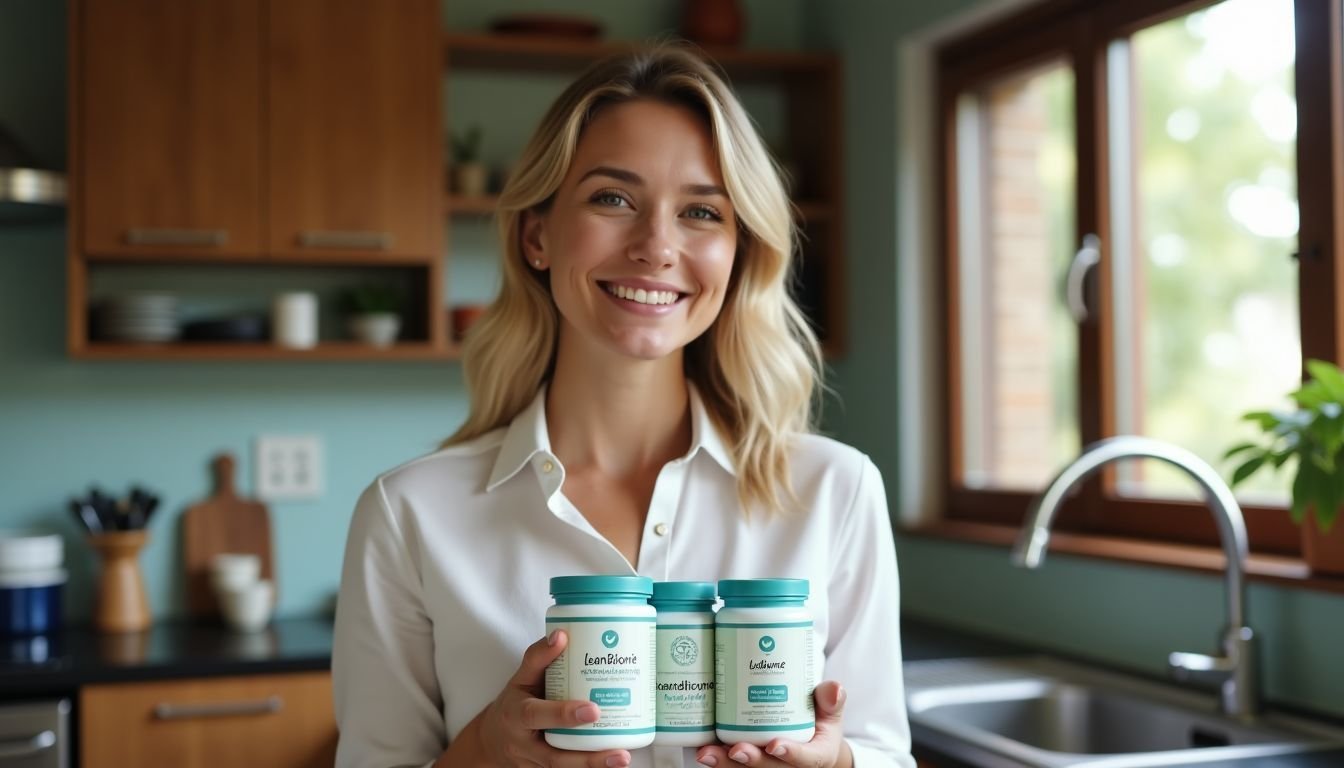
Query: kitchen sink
[(1048, 713)]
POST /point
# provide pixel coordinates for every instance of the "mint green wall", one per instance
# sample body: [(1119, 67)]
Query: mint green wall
[(1119, 614), (66, 424)]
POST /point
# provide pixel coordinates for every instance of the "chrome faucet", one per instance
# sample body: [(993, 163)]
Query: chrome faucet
[(1235, 669)]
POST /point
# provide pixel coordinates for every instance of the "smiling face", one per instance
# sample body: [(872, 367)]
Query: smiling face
[(640, 237)]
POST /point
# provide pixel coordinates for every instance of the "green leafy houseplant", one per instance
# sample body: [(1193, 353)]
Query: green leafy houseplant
[(466, 146), (372, 298), (1312, 435)]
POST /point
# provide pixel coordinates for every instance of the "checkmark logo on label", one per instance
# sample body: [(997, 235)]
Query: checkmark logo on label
[(610, 638), (767, 643)]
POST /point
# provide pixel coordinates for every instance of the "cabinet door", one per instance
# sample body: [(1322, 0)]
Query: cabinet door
[(169, 119), (258, 721), (353, 114)]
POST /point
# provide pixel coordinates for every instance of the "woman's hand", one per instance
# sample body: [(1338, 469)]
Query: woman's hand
[(511, 726), (827, 749)]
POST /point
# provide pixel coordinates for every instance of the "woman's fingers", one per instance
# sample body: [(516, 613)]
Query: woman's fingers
[(531, 673), (539, 714), (714, 756), (560, 758)]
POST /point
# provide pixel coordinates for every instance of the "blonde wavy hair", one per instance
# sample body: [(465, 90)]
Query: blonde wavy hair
[(758, 367)]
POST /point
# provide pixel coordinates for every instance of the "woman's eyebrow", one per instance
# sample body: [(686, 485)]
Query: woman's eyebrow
[(634, 179)]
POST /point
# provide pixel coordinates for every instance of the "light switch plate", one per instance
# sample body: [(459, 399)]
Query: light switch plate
[(288, 467)]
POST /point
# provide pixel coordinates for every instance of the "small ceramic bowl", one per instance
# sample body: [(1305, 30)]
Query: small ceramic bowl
[(248, 608), (234, 571)]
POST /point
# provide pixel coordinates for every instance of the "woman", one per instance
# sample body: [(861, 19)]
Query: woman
[(641, 401)]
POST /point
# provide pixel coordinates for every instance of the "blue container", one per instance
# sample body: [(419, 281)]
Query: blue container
[(30, 602)]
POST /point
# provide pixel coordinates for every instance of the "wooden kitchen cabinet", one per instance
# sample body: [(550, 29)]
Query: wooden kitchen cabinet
[(260, 721), (281, 141), (352, 127), (168, 143)]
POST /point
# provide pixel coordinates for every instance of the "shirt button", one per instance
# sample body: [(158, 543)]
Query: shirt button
[(547, 467), (660, 529)]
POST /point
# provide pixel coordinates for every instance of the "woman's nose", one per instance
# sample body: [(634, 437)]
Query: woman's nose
[(654, 242)]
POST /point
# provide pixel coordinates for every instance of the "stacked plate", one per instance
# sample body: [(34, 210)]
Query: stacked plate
[(141, 317)]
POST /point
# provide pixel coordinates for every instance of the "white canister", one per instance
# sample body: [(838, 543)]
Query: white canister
[(609, 660), (685, 665), (294, 320), (763, 653)]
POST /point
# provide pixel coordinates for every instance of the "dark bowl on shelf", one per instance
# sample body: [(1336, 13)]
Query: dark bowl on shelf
[(239, 328)]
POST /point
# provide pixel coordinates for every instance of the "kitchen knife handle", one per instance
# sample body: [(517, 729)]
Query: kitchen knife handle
[(169, 711)]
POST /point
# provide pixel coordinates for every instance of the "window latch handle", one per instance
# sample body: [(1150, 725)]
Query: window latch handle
[(1084, 260)]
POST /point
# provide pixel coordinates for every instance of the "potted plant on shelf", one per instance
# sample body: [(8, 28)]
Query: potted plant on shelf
[(373, 313), (1312, 435), (469, 174)]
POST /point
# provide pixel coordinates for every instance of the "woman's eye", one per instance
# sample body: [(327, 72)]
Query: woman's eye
[(609, 198), (704, 213)]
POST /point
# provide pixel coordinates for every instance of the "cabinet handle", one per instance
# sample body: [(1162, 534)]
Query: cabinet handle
[(26, 747), (215, 237), (374, 241), (266, 706)]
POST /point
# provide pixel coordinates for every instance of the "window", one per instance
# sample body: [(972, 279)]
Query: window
[(1142, 224)]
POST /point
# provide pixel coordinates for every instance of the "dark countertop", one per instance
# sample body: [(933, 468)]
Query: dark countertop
[(58, 664)]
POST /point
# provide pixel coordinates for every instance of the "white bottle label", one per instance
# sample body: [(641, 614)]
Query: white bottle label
[(609, 661), (686, 678), (764, 676)]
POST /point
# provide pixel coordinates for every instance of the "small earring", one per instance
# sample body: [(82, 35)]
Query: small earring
[(537, 263)]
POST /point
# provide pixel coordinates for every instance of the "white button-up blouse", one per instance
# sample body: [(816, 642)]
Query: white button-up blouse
[(449, 557)]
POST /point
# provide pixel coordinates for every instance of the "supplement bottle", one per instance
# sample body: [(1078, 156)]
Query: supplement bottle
[(763, 662), (609, 660), (685, 665)]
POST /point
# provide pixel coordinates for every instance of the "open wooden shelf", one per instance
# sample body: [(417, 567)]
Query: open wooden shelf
[(537, 53), (475, 205), (327, 351)]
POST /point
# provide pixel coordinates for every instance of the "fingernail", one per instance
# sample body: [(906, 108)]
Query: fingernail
[(551, 638), (779, 750), (709, 760), (740, 757), (839, 696), (589, 714), (616, 761)]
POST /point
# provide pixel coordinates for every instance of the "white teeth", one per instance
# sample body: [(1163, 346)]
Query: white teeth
[(640, 295)]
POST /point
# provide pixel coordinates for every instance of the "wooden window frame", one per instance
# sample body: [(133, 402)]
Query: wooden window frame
[(1079, 31)]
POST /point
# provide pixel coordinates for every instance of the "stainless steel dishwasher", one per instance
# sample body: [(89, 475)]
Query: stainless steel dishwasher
[(35, 734)]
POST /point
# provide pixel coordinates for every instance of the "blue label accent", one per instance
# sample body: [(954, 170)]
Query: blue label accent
[(610, 638), (767, 694), (788, 727), (567, 620), (610, 697), (600, 731), (763, 625), (766, 644)]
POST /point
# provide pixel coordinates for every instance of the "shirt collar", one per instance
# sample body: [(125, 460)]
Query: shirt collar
[(527, 436)]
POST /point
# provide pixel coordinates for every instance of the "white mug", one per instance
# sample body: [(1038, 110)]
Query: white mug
[(294, 320)]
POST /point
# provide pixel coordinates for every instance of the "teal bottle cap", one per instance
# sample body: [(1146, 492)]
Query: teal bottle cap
[(622, 586), (683, 592), (763, 589)]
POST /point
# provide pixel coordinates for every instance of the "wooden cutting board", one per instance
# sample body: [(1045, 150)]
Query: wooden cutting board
[(224, 522)]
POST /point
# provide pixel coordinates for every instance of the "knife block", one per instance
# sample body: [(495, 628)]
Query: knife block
[(122, 605)]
